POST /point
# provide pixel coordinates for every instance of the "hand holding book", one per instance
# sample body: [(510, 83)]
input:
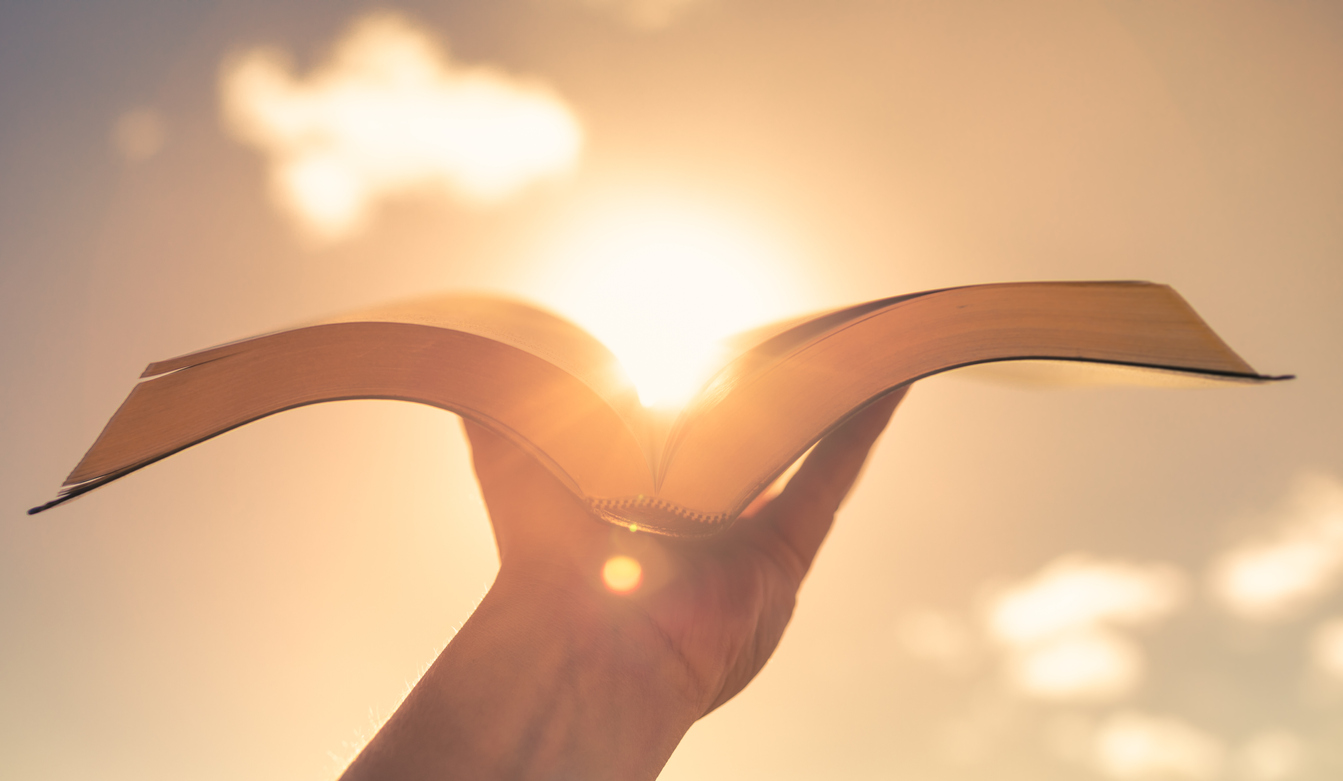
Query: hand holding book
[(600, 644), (562, 673)]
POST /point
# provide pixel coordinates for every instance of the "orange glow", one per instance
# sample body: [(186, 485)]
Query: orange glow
[(622, 574), (661, 284)]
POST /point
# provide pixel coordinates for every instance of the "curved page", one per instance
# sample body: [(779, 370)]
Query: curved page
[(759, 418), (580, 433)]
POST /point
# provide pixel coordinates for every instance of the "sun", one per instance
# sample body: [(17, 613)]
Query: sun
[(662, 284)]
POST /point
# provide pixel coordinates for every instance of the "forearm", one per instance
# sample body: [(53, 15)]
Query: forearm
[(541, 684)]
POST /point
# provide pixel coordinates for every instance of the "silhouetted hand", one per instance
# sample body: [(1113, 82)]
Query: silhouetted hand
[(558, 676)]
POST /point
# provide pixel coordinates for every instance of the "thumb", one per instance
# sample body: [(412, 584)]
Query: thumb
[(803, 513)]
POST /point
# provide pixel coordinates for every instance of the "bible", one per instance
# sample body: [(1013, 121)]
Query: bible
[(558, 393)]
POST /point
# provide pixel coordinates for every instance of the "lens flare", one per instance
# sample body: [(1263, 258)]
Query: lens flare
[(622, 574)]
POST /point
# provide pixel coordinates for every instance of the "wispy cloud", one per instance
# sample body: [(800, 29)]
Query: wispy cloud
[(388, 114), (1058, 627), (1297, 561)]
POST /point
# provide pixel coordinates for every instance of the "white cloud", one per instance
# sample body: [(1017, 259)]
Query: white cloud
[(388, 114), (1095, 664), (1291, 567), (1078, 591), (1058, 626), (1138, 746), (643, 14)]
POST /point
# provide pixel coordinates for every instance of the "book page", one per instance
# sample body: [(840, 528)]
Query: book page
[(753, 351), (536, 379), (509, 322), (768, 412)]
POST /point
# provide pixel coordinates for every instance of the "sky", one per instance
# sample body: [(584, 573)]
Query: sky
[(1106, 583)]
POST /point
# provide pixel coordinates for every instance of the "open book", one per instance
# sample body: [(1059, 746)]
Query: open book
[(558, 393)]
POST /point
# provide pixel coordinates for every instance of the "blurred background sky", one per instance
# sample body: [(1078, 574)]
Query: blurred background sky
[(1028, 584)]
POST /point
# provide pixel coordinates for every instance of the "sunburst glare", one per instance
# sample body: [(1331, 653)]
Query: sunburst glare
[(662, 286)]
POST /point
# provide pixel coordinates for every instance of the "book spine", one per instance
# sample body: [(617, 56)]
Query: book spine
[(649, 513)]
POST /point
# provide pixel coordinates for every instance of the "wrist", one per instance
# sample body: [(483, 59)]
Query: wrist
[(549, 679), (594, 691)]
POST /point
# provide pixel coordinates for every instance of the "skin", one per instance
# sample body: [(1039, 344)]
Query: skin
[(555, 676)]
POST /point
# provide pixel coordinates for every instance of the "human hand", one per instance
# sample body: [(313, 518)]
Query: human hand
[(557, 675), (718, 605)]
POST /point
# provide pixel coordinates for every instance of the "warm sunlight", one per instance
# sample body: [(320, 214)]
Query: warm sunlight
[(622, 574), (661, 285)]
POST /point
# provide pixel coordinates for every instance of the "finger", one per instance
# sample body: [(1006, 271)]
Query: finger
[(803, 512), (498, 462), (527, 505)]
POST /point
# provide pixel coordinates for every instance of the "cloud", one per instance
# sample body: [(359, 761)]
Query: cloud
[(138, 134), (1078, 591), (1130, 745), (1089, 664), (1287, 570), (1134, 745), (1058, 627), (643, 14), (387, 114)]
